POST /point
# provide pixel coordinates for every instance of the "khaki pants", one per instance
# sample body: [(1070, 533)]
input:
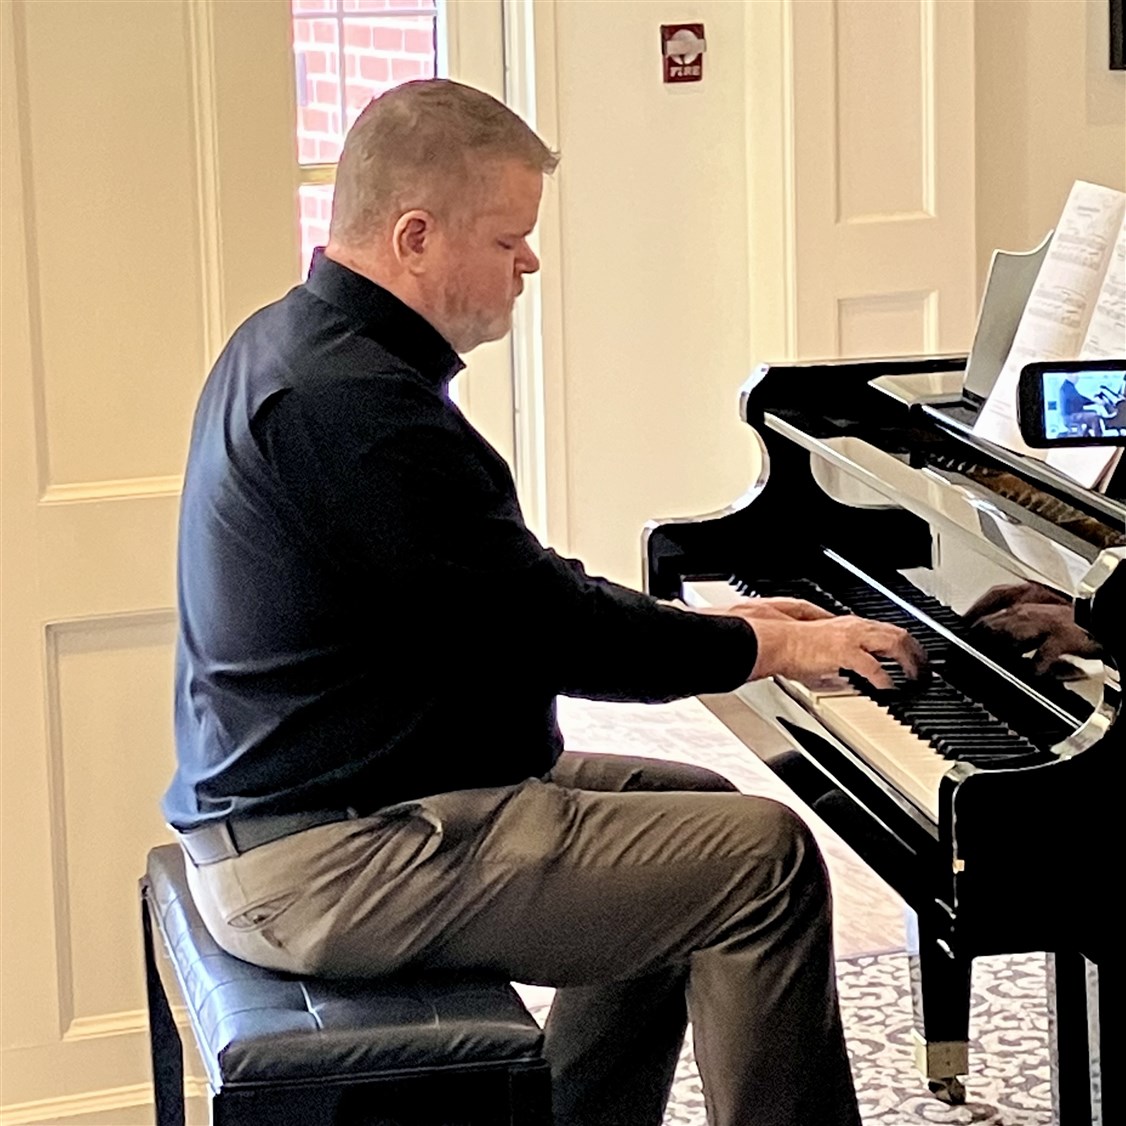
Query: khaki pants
[(637, 888)]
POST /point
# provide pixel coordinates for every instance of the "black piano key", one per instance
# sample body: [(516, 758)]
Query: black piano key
[(964, 731)]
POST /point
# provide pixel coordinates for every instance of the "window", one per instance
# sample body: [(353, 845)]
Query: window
[(346, 53)]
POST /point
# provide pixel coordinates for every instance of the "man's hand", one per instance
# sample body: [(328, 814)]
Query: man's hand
[(808, 650), (1027, 618), (1008, 595), (780, 609)]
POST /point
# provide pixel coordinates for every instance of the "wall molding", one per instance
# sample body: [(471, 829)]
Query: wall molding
[(540, 393), (91, 1102), (200, 25), (526, 339), (126, 488), (789, 184), (125, 1023), (26, 205), (928, 50), (128, 1022), (771, 161)]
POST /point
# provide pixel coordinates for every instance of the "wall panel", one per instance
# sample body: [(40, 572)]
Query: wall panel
[(110, 683), (893, 324), (116, 252), (882, 99)]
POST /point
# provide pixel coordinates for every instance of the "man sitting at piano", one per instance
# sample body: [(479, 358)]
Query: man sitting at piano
[(1079, 412), (370, 777)]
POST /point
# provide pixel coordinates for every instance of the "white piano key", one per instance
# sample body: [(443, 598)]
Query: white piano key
[(911, 764), (718, 593)]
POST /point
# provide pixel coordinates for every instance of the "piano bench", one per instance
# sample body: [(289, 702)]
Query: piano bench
[(280, 1049)]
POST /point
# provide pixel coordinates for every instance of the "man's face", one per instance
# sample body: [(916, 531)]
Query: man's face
[(484, 256)]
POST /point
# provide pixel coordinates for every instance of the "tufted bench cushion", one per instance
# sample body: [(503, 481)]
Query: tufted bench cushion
[(257, 1027)]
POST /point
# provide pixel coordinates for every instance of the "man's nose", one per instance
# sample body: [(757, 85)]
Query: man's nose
[(529, 263)]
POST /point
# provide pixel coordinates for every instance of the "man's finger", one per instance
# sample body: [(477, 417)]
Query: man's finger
[(891, 641), (1028, 625), (1010, 595), (867, 666)]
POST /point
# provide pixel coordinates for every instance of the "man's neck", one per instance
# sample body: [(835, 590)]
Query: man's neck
[(396, 282), (368, 267)]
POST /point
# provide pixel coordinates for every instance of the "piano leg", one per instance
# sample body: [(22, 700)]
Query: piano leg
[(940, 994), (1074, 996), (1107, 1097)]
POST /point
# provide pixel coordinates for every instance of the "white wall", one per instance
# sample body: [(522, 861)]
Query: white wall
[(652, 195), (1049, 111), (662, 191)]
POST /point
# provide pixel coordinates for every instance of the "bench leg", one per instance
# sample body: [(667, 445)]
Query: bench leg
[(164, 1037), (529, 1095)]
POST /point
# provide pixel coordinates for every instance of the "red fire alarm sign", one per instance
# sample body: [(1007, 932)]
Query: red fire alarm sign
[(682, 49)]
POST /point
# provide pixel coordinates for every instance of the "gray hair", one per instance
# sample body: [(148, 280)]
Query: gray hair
[(425, 144)]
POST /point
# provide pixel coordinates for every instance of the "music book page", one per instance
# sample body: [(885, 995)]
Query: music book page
[(1075, 310), (1105, 340)]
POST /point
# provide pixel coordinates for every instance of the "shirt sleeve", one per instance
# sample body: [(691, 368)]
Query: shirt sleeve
[(419, 501)]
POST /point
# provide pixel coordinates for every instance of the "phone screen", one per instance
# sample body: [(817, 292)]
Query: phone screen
[(1074, 404)]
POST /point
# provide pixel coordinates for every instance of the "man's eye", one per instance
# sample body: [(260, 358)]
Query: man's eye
[(507, 245)]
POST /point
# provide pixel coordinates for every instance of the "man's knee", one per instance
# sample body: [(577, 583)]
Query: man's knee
[(628, 773), (789, 840), (658, 774)]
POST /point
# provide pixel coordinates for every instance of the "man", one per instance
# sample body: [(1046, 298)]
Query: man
[(1078, 411), (370, 774)]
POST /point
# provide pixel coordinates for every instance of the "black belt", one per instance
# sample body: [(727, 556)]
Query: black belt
[(224, 840)]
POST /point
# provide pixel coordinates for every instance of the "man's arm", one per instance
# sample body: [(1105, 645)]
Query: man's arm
[(427, 502)]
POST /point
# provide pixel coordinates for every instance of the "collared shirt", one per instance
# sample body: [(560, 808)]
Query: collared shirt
[(364, 616)]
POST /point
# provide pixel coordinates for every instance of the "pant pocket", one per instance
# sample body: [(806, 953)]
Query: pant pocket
[(461, 816), (260, 914)]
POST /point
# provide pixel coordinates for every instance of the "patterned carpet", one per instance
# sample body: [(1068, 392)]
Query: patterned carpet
[(1009, 1079), (1009, 1084)]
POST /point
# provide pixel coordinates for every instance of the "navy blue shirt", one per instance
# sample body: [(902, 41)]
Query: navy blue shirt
[(364, 616), (1072, 400)]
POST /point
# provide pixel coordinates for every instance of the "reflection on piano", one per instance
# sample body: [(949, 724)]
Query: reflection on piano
[(986, 798)]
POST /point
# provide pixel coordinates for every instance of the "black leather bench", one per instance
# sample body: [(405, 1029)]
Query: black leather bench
[(280, 1049)]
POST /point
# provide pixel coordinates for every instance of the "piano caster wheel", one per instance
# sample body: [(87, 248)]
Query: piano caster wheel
[(949, 1089)]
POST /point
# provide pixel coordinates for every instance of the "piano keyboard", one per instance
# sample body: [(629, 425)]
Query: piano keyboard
[(911, 735)]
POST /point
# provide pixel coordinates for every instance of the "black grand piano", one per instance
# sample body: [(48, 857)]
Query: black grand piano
[(990, 797)]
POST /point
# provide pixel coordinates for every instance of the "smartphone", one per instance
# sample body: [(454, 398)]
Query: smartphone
[(1073, 403)]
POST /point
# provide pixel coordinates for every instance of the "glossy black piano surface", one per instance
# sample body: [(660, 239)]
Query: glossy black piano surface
[(996, 818)]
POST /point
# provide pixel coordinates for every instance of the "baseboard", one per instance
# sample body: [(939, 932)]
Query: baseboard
[(90, 1105)]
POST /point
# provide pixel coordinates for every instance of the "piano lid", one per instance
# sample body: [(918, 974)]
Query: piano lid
[(1034, 534)]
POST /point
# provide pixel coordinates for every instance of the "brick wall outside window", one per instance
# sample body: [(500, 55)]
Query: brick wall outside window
[(346, 53)]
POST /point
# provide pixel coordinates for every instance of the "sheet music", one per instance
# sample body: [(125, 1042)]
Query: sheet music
[(1075, 309), (1105, 340), (1106, 334)]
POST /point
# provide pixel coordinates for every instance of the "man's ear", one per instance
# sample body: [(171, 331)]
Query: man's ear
[(412, 237)]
